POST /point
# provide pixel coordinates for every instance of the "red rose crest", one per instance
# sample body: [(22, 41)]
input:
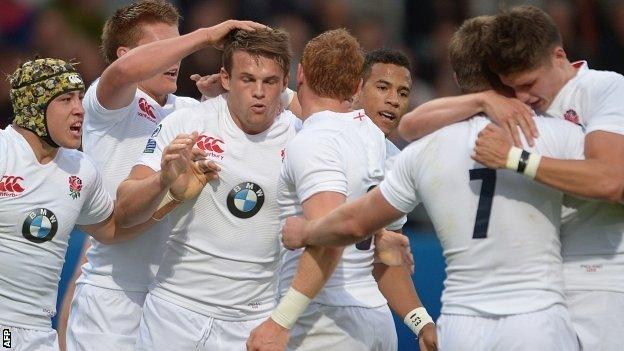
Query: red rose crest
[(572, 116), (75, 185)]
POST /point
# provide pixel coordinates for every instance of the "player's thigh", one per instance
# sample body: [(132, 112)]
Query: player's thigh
[(343, 328), (103, 319), (597, 318), (229, 335), (167, 326), (21, 339), (462, 333), (548, 329)]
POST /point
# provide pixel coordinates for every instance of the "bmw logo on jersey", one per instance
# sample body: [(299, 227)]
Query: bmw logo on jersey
[(245, 200), (40, 225)]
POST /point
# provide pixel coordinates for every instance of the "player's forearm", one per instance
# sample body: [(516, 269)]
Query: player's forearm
[(145, 61), (435, 114), (396, 284), (316, 265), (590, 178), (138, 199)]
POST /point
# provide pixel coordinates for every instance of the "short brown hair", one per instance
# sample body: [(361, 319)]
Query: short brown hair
[(124, 27), (521, 39), (332, 64), (467, 56), (270, 43)]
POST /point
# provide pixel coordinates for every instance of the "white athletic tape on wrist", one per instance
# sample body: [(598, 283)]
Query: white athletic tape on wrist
[(522, 161), (165, 201), (532, 165), (416, 319), (287, 97), (513, 158), (290, 308)]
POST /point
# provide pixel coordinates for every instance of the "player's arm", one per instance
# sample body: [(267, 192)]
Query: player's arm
[(438, 113), (119, 80), (350, 223), (396, 284), (600, 176), (146, 193)]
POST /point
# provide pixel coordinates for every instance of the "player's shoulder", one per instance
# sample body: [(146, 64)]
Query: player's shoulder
[(196, 113), (184, 101), (78, 160)]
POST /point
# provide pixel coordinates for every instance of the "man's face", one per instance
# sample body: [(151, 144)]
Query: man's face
[(254, 87), (64, 117), (163, 83), (538, 87), (385, 95)]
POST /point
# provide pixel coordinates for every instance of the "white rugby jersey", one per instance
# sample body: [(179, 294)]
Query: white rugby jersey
[(39, 206), (391, 154), (592, 233), (343, 153), (498, 229), (223, 254), (115, 139)]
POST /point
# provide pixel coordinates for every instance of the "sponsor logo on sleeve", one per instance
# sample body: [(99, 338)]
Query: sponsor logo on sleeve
[(150, 147)]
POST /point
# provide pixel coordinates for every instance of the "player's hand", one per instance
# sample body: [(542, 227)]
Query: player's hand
[(175, 158), (268, 336), (293, 232), (428, 338), (209, 86), (492, 147), (509, 114), (197, 172), (393, 249), (215, 35)]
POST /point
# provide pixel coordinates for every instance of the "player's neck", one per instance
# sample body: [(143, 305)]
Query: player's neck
[(312, 103), (42, 150)]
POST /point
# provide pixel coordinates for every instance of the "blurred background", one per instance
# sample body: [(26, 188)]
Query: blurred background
[(592, 30)]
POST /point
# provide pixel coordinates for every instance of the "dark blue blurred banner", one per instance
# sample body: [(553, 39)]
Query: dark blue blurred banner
[(428, 276)]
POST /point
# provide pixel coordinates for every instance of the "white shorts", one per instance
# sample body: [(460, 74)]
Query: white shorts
[(103, 319), (21, 339), (597, 318), (327, 328), (545, 330), (167, 326)]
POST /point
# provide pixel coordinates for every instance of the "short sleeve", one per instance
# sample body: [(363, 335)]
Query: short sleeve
[(98, 205), (96, 116), (607, 105), (560, 139), (316, 166), (400, 184)]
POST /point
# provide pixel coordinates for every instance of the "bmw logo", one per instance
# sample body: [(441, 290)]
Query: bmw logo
[(245, 200), (40, 225)]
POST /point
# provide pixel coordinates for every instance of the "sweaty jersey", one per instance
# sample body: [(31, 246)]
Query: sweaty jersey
[(343, 153), (39, 206), (592, 233), (115, 139), (499, 230), (223, 254)]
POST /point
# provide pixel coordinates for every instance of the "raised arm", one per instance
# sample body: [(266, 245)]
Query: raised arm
[(119, 80), (438, 113)]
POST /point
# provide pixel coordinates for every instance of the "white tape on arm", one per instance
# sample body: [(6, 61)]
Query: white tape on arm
[(290, 308), (416, 319)]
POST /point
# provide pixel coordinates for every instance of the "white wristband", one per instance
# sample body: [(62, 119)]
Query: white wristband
[(416, 319), (513, 158), (290, 308), (532, 165), (167, 199), (287, 97)]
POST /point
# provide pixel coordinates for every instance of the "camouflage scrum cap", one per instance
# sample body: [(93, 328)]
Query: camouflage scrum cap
[(34, 85)]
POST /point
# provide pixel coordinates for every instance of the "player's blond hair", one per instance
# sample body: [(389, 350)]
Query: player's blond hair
[(332, 63), (125, 26)]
